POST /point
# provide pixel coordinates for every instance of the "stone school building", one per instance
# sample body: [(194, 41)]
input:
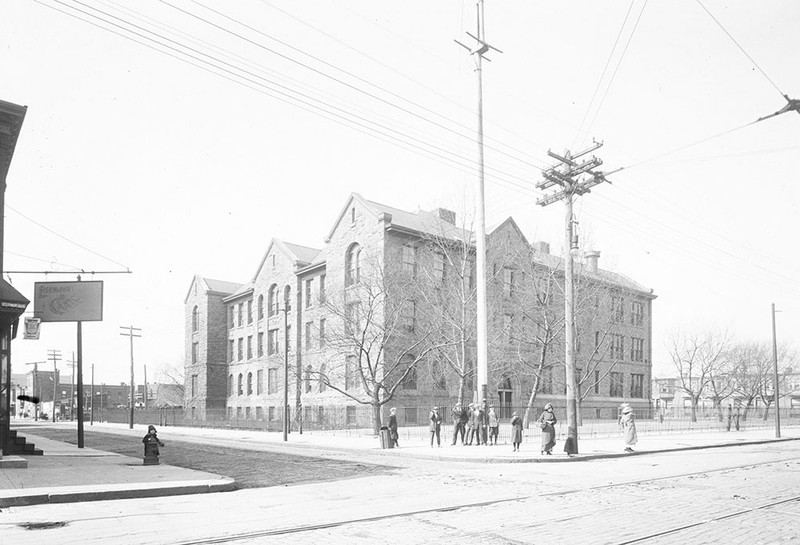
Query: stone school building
[(311, 307)]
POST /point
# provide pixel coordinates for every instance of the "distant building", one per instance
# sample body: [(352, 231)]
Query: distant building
[(235, 332)]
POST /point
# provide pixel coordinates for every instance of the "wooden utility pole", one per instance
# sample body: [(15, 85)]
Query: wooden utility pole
[(574, 179), (132, 332), (775, 387), (286, 308), (482, 337), (54, 355)]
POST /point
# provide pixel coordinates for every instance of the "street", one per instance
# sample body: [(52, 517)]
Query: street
[(745, 494)]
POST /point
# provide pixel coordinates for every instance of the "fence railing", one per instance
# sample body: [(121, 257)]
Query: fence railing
[(413, 421)]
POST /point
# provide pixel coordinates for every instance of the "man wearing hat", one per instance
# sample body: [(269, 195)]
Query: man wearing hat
[(435, 425), (459, 423), (470, 423)]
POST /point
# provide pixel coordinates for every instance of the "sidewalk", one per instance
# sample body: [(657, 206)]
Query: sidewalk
[(61, 474)]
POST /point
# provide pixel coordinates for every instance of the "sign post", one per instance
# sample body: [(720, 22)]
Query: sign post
[(71, 302)]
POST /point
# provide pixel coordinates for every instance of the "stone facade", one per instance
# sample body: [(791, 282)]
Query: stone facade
[(241, 328)]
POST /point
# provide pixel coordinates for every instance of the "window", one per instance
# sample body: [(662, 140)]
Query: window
[(410, 415), (410, 260), (508, 282), (260, 307), (272, 301), (321, 332), (194, 385), (352, 320), (272, 381), (249, 347), (353, 216), (230, 317), (307, 388), (351, 415), (259, 413), (637, 349), (637, 385), (309, 326), (260, 381), (546, 381), (308, 293), (195, 319), (249, 384), (597, 382), (438, 376), (240, 348), (322, 288), (637, 313), (323, 377), (272, 258), (287, 298), (288, 338), (349, 372), (597, 338), (239, 389), (250, 311), (408, 314), (195, 350), (230, 384), (352, 265), (617, 309), (272, 341), (617, 347), (616, 389), (410, 380), (239, 311), (260, 349), (438, 267)]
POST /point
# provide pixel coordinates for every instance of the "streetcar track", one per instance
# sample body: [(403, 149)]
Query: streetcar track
[(709, 521), (335, 524)]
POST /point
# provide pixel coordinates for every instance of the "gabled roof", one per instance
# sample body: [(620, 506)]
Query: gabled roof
[(216, 286), (422, 222), (300, 256), (11, 119), (510, 223)]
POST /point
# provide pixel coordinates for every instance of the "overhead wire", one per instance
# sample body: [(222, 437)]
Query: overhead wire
[(746, 54)]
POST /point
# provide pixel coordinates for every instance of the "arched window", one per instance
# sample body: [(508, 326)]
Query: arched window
[(287, 297), (352, 265), (273, 300), (322, 378), (260, 307), (239, 390), (195, 319), (249, 384), (308, 379)]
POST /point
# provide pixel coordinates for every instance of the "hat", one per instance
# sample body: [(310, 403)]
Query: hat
[(436, 408), (548, 406), (626, 408), (514, 413), (393, 410), (471, 405), (491, 406)]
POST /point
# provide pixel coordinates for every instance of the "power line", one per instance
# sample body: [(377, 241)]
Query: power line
[(740, 48)]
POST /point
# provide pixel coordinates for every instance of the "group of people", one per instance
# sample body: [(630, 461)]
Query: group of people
[(472, 423)]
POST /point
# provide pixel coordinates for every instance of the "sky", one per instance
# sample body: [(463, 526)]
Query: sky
[(257, 119)]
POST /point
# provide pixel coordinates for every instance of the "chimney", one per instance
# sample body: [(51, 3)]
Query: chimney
[(541, 247), (446, 215), (591, 260)]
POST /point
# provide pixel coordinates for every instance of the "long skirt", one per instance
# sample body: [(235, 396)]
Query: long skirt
[(548, 438), (630, 436)]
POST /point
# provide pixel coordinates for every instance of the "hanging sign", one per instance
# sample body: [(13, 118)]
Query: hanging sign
[(68, 301), (32, 328)]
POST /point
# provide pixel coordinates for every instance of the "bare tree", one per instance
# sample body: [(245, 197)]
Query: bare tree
[(753, 372), (379, 339), (696, 357)]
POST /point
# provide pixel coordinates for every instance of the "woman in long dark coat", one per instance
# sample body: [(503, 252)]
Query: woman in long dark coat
[(547, 421), (393, 426), (516, 431)]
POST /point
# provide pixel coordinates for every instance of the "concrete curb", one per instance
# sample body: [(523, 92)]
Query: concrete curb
[(573, 458), (71, 494)]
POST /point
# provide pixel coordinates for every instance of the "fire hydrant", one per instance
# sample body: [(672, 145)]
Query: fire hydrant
[(151, 444)]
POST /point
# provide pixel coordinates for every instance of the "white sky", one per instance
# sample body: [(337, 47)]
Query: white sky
[(170, 170)]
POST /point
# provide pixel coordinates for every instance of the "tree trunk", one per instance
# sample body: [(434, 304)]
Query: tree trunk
[(766, 410), (535, 388), (694, 409), (462, 385), (376, 414)]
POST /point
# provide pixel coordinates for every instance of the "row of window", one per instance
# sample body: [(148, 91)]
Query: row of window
[(617, 351), (616, 383), (618, 311), (244, 383), (241, 349), (242, 312)]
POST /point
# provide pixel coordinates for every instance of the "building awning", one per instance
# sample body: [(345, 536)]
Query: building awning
[(12, 302)]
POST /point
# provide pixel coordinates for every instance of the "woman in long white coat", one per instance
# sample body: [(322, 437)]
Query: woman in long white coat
[(628, 425)]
